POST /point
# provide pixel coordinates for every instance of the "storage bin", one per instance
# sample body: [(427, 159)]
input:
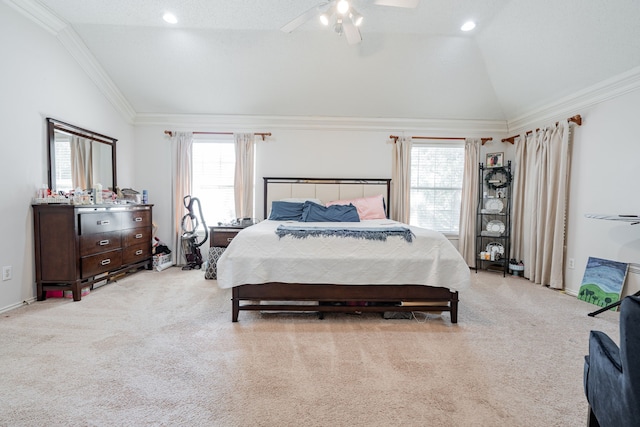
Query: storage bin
[(160, 259)]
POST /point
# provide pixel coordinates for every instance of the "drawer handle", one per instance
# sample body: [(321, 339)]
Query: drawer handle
[(106, 262), (104, 242), (139, 236), (229, 239), (139, 252), (138, 219), (104, 222)]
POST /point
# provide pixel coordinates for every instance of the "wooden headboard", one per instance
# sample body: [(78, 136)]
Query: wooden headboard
[(325, 189)]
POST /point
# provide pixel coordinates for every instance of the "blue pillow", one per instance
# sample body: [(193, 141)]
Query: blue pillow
[(286, 211), (313, 212)]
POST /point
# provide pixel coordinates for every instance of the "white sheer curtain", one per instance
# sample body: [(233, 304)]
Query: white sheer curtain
[(469, 201), (243, 181), (540, 197), (81, 162), (401, 179), (182, 143)]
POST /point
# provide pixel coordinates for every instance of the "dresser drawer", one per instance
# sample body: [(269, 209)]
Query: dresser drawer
[(99, 222), (100, 263), (136, 253), (223, 238), (136, 219), (136, 236), (102, 242)]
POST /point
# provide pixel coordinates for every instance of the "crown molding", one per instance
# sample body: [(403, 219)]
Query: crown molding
[(39, 14), (70, 40), (568, 106), (264, 123)]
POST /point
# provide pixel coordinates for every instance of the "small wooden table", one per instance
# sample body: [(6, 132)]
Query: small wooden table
[(220, 236)]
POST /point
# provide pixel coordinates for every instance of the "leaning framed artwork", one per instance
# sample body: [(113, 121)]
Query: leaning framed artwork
[(603, 281), (495, 160)]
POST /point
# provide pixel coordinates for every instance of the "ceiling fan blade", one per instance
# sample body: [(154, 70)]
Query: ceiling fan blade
[(409, 4), (301, 19), (351, 32)]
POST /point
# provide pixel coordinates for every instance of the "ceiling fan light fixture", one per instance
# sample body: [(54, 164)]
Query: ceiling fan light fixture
[(341, 17), (342, 7), (356, 18)]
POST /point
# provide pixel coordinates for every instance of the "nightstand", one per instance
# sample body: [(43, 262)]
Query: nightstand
[(220, 236)]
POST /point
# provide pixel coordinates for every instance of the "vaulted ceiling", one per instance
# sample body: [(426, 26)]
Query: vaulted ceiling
[(229, 57)]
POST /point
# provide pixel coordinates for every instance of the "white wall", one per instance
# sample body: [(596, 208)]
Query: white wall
[(153, 173), (605, 176), (39, 79), (322, 154)]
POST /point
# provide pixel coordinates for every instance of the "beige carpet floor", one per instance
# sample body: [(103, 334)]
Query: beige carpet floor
[(159, 348)]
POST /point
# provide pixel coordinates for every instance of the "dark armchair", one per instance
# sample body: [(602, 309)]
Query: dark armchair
[(612, 374)]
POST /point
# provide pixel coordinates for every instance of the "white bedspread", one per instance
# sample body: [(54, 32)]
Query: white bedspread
[(257, 255)]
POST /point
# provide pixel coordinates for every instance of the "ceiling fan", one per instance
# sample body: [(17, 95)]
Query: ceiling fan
[(342, 17)]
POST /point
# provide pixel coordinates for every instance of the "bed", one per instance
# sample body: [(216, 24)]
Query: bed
[(271, 268)]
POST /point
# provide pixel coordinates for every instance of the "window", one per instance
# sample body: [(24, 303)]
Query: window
[(213, 176), (62, 163), (436, 186)]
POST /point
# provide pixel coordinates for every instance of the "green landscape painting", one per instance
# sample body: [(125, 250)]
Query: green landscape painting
[(602, 282)]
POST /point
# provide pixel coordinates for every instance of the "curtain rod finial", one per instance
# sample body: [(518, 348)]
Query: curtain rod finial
[(577, 119)]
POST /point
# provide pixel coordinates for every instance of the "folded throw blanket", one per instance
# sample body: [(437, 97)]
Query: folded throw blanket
[(301, 232)]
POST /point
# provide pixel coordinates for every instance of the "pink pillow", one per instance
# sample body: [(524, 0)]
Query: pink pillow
[(367, 207)]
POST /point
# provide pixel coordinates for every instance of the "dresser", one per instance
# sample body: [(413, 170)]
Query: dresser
[(77, 246)]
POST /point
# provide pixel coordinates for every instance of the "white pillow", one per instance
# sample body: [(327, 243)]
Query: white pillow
[(301, 200)]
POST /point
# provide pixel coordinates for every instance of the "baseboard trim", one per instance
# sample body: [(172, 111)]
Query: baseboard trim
[(17, 305), (571, 292)]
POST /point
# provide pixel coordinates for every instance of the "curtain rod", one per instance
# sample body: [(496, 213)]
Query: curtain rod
[(577, 119), (448, 138), (263, 135)]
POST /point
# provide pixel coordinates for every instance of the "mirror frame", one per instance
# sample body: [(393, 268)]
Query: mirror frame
[(53, 125)]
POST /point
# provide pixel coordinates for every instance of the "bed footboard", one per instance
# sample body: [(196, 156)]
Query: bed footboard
[(322, 298)]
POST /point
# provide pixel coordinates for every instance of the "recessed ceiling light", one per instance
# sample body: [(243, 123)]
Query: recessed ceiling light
[(170, 18), (468, 26)]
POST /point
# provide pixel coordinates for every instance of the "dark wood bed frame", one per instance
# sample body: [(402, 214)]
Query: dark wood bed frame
[(323, 298)]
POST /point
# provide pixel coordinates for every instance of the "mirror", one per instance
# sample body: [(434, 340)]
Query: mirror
[(79, 158)]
